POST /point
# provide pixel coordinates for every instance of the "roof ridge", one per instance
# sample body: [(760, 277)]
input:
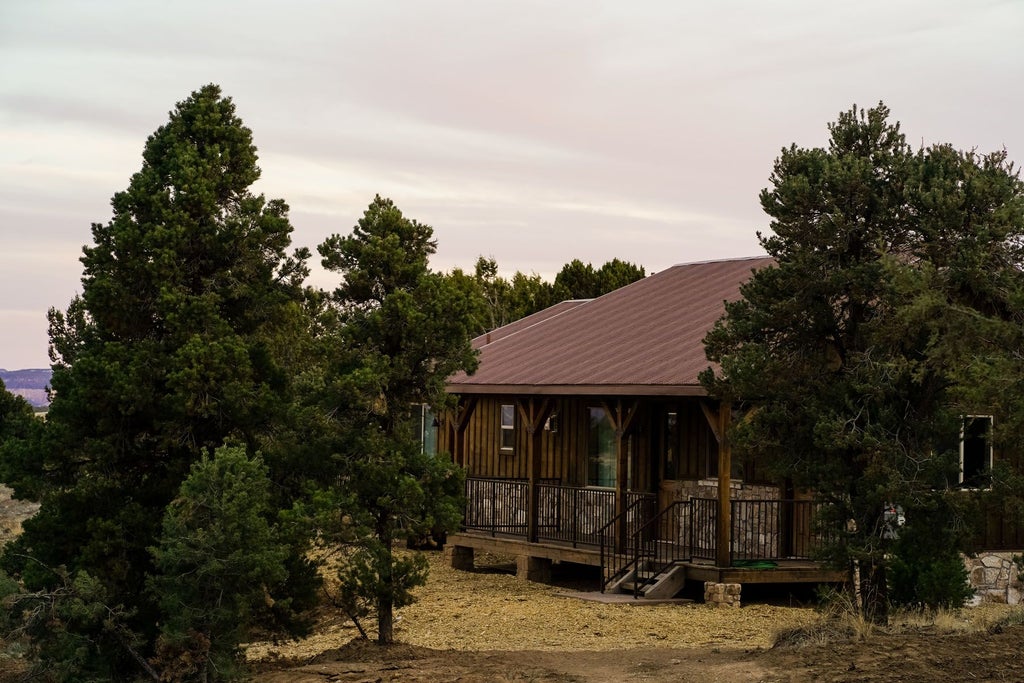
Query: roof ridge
[(758, 257), (568, 309)]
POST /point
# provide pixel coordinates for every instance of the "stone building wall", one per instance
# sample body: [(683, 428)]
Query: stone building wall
[(994, 578)]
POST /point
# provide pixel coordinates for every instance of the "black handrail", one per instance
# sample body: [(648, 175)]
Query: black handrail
[(662, 542), (622, 560)]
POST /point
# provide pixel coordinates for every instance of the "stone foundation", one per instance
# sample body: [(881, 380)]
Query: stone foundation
[(722, 594), (994, 578)]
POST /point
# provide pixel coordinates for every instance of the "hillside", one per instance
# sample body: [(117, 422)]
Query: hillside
[(29, 384)]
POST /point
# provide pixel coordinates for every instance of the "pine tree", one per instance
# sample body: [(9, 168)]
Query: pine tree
[(404, 331), (171, 349), (897, 282)]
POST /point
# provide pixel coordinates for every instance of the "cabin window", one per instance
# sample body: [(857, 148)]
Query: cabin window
[(424, 426), (508, 427), (975, 450), (601, 463), (671, 439)]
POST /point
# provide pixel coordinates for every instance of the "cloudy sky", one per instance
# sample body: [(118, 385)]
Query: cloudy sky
[(533, 132)]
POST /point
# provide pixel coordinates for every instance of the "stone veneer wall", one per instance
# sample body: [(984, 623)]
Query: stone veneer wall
[(685, 489), (757, 527), (994, 578)]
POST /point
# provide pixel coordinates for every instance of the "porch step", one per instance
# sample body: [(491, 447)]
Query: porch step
[(655, 587)]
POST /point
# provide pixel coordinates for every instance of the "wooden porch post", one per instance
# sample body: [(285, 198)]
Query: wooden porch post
[(533, 414), (723, 556), (719, 422)]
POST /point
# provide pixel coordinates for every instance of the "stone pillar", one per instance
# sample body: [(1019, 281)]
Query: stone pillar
[(533, 568), (459, 557), (722, 594)]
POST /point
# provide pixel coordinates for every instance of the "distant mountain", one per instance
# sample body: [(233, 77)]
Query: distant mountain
[(29, 384)]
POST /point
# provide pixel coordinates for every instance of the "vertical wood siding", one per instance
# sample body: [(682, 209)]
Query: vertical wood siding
[(564, 451)]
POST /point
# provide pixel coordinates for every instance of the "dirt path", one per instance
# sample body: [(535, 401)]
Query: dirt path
[(920, 657), (363, 663), (486, 625)]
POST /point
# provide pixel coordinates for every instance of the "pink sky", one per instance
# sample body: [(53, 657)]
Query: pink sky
[(533, 132)]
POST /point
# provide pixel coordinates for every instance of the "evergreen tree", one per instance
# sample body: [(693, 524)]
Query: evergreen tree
[(404, 331), (529, 294), (217, 557), (897, 281), (508, 300), (19, 430), (617, 273), (577, 280), (171, 349)]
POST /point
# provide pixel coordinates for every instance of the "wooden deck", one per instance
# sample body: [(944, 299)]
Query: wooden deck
[(785, 571)]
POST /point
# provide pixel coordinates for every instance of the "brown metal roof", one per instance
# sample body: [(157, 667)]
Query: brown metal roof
[(642, 339), (528, 321)]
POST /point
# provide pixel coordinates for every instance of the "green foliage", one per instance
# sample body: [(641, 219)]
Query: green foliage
[(217, 560), (19, 431), (508, 300), (360, 584), (184, 336), (76, 632), (927, 568), (577, 280), (896, 294), (403, 331), (617, 273)]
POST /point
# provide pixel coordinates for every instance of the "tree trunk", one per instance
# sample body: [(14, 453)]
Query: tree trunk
[(385, 603), (874, 594), (385, 621)]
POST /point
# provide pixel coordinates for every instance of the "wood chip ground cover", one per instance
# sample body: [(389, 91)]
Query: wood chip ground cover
[(490, 609)]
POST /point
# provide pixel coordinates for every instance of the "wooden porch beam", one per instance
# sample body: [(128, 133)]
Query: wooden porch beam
[(621, 416), (458, 420), (463, 410), (533, 413), (712, 417)]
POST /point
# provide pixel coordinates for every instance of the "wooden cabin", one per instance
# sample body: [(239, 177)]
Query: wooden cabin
[(586, 437)]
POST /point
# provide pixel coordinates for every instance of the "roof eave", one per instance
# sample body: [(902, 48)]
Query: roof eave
[(578, 389)]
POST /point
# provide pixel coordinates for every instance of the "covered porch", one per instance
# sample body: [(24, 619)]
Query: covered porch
[(707, 526), (768, 540)]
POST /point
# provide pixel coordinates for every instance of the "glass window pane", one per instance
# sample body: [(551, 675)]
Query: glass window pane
[(429, 431), (975, 450), (601, 470), (508, 427)]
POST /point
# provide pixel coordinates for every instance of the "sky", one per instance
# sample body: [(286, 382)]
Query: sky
[(531, 132)]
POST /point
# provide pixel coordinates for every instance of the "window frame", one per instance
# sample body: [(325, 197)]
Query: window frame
[(507, 429), (962, 479), (426, 426), (599, 460)]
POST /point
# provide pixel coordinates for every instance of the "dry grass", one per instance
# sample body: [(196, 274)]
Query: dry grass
[(12, 513), (490, 609), (842, 622)]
